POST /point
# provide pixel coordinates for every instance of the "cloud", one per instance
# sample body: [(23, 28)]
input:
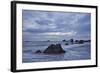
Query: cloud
[(60, 33), (59, 24), (57, 33)]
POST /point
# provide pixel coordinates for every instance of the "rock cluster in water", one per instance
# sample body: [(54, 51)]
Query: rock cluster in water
[(52, 49)]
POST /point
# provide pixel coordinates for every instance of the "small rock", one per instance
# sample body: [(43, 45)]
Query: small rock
[(66, 43), (38, 51)]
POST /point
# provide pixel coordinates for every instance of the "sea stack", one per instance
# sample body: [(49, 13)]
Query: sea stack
[(54, 49)]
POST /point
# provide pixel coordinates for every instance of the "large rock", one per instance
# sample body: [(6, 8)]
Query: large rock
[(54, 49)]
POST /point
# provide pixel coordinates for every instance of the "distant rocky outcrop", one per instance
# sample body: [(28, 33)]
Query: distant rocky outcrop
[(54, 49), (79, 41)]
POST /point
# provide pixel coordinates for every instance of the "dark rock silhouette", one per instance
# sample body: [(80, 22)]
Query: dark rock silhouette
[(72, 41), (54, 49), (76, 41), (79, 41), (38, 51), (64, 40), (66, 44)]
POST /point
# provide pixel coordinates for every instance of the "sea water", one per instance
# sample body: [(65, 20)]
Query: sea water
[(73, 51)]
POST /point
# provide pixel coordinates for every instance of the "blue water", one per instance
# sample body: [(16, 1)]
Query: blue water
[(73, 52)]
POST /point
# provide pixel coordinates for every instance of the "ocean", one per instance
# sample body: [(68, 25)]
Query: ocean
[(73, 51)]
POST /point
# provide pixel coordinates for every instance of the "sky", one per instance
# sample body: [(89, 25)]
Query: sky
[(55, 25)]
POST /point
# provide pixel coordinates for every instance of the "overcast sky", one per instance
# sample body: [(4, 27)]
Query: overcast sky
[(55, 26)]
